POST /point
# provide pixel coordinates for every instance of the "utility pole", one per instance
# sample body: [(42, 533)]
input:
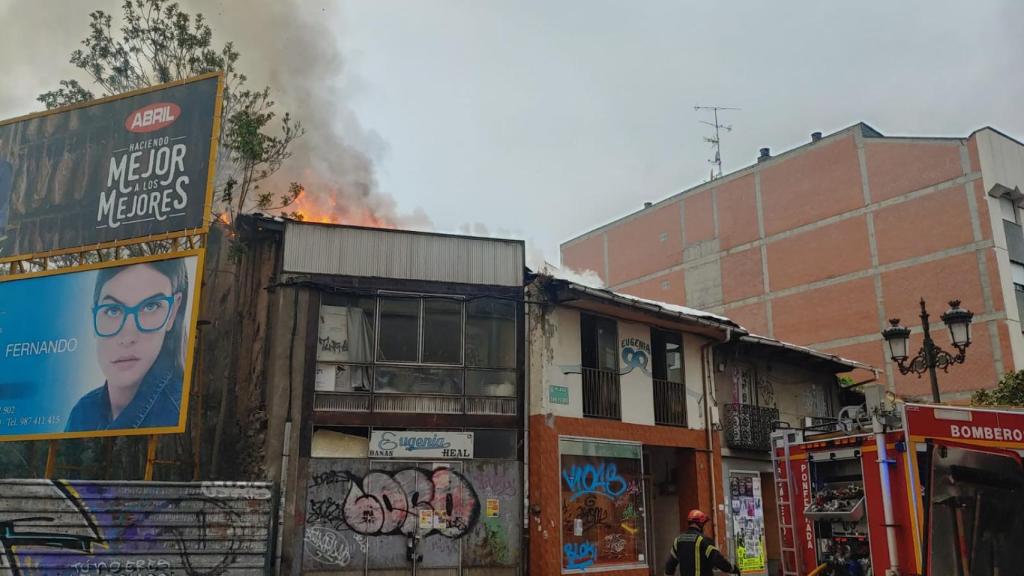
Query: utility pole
[(716, 141)]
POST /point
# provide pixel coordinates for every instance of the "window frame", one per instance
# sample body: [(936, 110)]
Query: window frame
[(614, 322), (462, 368), (595, 444), (662, 355), (420, 299)]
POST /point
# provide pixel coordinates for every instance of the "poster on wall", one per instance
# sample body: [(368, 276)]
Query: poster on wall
[(102, 351), (113, 169), (747, 515), (602, 505)]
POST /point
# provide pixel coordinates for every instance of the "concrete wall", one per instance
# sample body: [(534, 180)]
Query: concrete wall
[(822, 244), (555, 360), (636, 382), (693, 365), (1002, 167), (146, 528)]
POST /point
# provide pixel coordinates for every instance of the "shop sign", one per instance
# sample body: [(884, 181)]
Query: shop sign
[(421, 444), (558, 394)]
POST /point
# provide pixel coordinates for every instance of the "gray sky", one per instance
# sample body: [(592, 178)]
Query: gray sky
[(541, 120)]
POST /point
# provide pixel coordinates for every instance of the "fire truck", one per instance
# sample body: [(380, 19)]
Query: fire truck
[(903, 489)]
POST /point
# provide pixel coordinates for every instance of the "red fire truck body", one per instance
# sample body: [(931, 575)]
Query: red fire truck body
[(953, 478)]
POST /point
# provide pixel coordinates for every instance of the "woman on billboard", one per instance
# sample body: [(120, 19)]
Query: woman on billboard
[(139, 323)]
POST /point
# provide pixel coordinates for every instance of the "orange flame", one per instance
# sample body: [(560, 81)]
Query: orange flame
[(325, 208)]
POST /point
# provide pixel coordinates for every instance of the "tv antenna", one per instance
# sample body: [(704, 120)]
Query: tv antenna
[(716, 141)]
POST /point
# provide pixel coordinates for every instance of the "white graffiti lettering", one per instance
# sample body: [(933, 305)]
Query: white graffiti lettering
[(241, 490), (328, 546)]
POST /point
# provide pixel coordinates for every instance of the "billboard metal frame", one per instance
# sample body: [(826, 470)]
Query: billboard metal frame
[(181, 241), (200, 254), (210, 174)]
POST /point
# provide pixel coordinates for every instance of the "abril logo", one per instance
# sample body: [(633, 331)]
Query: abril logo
[(152, 117)]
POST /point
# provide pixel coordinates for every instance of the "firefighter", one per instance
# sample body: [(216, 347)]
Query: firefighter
[(695, 553)]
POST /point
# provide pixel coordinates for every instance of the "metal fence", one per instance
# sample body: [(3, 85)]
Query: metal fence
[(749, 427), (601, 398), (669, 403), (85, 527)]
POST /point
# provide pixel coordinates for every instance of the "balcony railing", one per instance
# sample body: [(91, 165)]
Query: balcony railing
[(601, 397), (669, 403), (749, 427)]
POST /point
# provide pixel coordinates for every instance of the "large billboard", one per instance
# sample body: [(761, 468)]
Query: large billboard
[(131, 166), (104, 350)]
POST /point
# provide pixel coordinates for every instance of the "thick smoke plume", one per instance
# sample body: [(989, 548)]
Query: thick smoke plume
[(293, 47)]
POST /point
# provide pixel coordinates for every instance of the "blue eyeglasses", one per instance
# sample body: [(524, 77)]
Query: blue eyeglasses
[(151, 315)]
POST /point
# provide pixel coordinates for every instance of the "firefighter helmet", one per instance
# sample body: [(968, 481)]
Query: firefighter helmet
[(697, 517)]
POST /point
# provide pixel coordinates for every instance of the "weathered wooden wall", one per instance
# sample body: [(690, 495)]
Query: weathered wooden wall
[(79, 528)]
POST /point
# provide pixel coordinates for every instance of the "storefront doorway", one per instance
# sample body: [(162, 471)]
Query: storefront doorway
[(664, 487)]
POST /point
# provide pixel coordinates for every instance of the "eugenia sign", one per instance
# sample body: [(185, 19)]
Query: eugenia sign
[(421, 444), (117, 169)]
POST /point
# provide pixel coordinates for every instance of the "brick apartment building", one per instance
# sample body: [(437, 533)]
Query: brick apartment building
[(822, 244)]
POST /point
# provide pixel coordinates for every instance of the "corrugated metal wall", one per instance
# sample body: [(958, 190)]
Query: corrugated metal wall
[(339, 250), (361, 513), (138, 528)]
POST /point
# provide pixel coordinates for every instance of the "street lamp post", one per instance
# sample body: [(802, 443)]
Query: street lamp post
[(930, 357)]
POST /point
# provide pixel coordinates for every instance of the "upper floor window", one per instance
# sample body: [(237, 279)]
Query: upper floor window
[(420, 330), (345, 343), (667, 355), (600, 360), (490, 333), (415, 344), (599, 343), (669, 380)]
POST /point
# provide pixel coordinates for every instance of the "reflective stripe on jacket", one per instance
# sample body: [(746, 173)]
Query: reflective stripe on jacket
[(696, 555)]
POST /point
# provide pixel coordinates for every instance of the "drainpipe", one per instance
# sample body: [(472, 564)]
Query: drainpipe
[(883, 471), (525, 403), (709, 383)]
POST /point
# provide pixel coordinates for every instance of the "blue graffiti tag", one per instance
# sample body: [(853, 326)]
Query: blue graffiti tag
[(579, 556), (603, 479), (633, 358)]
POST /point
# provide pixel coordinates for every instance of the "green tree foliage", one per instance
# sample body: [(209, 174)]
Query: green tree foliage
[(1009, 392), (845, 381), (158, 42)]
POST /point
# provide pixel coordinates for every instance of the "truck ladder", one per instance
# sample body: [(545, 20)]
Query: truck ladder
[(784, 500)]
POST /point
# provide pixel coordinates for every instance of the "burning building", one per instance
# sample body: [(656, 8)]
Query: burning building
[(379, 376)]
